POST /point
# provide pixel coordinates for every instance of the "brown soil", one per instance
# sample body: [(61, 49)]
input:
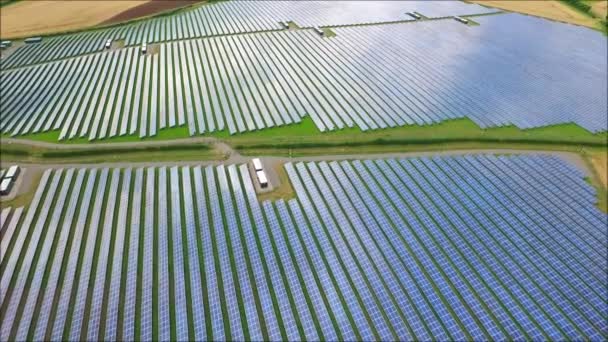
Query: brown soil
[(149, 8), (550, 9)]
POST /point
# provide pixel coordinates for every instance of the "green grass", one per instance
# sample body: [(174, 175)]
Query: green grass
[(306, 130)]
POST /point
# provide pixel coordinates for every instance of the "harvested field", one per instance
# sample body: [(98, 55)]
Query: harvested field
[(553, 10), (149, 8), (26, 18), (599, 8), (600, 164)]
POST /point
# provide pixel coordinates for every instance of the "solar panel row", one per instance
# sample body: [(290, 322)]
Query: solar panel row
[(233, 18), (252, 82), (471, 247)]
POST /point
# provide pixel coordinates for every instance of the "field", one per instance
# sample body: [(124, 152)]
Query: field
[(551, 9), (431, 179), (42, 17), (599, 8), (175, 249), (263, 84)]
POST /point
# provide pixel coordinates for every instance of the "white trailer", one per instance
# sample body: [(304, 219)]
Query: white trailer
[(262, 179), (5, 186), (12, 172), (257, 164)]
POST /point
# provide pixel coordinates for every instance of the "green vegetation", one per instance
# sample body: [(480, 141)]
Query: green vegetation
[(304, 139), (24, 153), (306, 132), (7, 2)]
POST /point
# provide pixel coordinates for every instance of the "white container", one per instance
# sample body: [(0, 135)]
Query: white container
[(257, 164), (262, 179)]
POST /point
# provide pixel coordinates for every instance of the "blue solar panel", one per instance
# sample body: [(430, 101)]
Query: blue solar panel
[(28, 259), (179, 301), (128, 330), (164, 321), (479, 247), (321, 311), (35, 285), (224, 259), (111, 324), (196, 288), (57, 327), (51, 285), (278, 287), (253, 255), (246, 292), (7, 272), (215, 310), (9, 230), (147, 258), (87, 263)]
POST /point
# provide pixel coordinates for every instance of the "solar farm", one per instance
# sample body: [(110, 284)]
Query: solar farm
[(306, 171), (442, 248), (210, 78)]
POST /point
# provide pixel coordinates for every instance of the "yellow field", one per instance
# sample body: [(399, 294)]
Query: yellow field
[(599, 8), (34, 17), (600, 164), (550, 9)]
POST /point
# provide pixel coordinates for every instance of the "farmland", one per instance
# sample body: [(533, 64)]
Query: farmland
[(187, 231), (427, 171), (553, 9), (43, 17)]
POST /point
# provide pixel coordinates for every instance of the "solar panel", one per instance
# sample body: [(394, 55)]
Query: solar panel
[(79, 306), (57, 327), (224, 259), (234, 247), (51, 283), (196, 288), (418, 248), (9, 231), (128, 330), (252, 253), (284, 262), (164, 321), (215, 310), (179, 301), (286, 315), (111, 324), (27, 259), (147, 283), (35, 284)]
